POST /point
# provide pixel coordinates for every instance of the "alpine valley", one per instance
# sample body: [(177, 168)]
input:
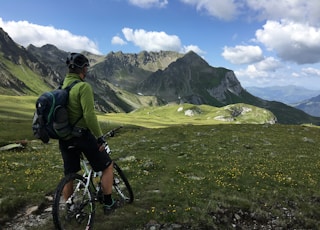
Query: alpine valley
[(126, 82)]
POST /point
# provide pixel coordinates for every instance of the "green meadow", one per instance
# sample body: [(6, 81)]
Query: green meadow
[(187, 172)]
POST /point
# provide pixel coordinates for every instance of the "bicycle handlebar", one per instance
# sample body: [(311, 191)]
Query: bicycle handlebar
[(111, 133)]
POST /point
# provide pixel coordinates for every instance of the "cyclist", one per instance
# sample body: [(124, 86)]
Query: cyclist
[(84, 139)]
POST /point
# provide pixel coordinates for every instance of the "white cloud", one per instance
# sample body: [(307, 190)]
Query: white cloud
[(252, 72), (242, 54), (294, 10), (156, 41), (152, 40), (292, 41), (263, 72), (261, 69), (309, 71), (149, 3), (270, 72), (194, 48), (116, 40), (252, 76), (25, 33), (222, 9), (269, 64)]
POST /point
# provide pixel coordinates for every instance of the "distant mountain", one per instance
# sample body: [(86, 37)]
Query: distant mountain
[(125, 82), (310, 106), (287, 94), (298, 97)]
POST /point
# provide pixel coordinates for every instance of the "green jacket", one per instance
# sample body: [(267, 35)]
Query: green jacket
[(81, 103)]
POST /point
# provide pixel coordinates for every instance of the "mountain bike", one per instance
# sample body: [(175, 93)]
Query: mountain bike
[(78, 211)]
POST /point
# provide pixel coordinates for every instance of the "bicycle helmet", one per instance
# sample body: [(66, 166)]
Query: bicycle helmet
[(77, 60)]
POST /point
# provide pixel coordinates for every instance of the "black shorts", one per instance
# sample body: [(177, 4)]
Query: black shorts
[(87, 144)]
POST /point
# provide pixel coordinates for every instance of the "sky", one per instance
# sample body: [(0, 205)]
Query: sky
[(265, 42)]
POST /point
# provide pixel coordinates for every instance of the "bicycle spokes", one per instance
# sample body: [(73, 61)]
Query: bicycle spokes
[(121, 185), (78, 211)]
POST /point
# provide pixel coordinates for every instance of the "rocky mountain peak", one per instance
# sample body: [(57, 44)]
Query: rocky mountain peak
[(4, 38), (9, 48), (228, 85), (191, 79), (149, 61), (193, 59)]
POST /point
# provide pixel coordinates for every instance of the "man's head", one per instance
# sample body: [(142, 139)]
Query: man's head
[(77, 63)]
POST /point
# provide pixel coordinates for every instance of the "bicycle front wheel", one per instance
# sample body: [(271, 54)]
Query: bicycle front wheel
[(121, 185), (76, 211)]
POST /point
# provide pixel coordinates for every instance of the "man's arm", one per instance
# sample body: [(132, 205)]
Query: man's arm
[(89, 115)]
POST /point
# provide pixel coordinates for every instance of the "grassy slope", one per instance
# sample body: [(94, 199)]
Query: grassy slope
[(16, 117), (169, 115), (204, 176), (23, 73)]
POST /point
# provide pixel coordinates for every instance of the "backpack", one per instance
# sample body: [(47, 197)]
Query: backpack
[(50, 120)]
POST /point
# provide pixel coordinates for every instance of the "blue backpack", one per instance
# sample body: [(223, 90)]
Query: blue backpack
[(50, 120)]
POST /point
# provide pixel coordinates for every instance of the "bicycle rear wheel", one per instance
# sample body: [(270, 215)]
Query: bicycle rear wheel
[(77, 212), (121, 185)]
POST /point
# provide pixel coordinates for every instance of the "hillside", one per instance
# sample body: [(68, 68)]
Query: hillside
[(126, 82)]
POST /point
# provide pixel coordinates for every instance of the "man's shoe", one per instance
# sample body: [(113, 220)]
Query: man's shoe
[(108, 209)]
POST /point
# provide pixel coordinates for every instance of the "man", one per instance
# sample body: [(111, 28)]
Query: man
[(81, 113)]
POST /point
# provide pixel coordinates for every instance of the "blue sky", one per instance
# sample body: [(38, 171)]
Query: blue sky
[(265, 42)]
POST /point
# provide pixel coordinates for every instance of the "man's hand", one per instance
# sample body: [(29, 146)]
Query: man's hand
[(101, 147), (101, 142)]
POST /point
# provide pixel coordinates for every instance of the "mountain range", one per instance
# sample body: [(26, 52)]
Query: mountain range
[(310, 106), (295, 96), (124, 82), (289, 94)]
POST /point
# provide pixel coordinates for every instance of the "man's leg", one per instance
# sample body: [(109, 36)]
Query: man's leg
[(71, 164), (106, 184), (67, 190), (100, 161)]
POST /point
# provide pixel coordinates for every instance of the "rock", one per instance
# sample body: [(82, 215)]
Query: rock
[(31, 210)]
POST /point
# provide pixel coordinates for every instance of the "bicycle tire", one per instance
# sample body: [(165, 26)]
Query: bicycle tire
[(121, 185), (78, 214)]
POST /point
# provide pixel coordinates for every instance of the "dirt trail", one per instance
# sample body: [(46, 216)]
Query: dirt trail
[(29, 218)]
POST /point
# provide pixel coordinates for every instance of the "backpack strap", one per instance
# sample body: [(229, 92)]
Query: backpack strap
[(69, 87), (74, 124)]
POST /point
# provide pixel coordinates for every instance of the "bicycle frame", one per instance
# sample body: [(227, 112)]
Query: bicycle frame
[(89, 174), (87, 171)]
